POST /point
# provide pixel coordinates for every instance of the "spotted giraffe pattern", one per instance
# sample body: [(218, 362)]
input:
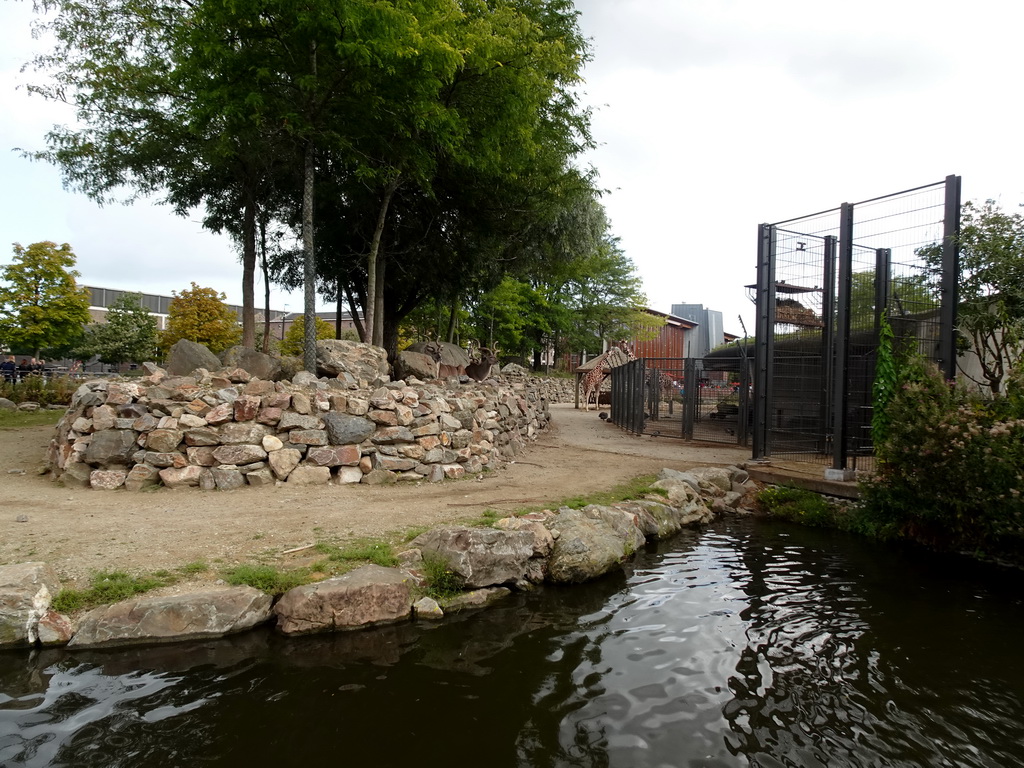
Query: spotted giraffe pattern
[(595, 377)]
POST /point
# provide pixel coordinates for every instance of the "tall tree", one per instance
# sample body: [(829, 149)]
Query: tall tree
[(128, 335), (40, 303), (200, 315)]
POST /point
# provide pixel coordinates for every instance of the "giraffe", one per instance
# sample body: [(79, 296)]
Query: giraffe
[(595, 377)]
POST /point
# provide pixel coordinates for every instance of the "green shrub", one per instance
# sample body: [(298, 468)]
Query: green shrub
[(799, 506), (951, 468), (34, 389), (442, 582)]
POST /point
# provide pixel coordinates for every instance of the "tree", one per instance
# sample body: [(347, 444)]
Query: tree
[(40, 304), (201, 315), (128, 335), (991, 286), (295, 339)]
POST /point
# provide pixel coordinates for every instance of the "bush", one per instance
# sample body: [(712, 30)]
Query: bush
[(951, 467), (35, 389)]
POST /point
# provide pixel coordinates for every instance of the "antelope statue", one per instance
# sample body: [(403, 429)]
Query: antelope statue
[(483, 360)]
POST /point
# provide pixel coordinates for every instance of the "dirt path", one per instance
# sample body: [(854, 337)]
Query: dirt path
[(80, 531)]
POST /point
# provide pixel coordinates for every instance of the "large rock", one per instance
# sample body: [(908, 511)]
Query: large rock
[(343, 429), (256, 364), (366, 596), (415, 364), (192, 616), (186, 356), (112, 446), (590, 542), (686, 500), (452, 359), (25, 593), (483, 557), (361, 361)]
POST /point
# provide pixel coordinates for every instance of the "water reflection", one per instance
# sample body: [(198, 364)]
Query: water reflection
[(744, 645)]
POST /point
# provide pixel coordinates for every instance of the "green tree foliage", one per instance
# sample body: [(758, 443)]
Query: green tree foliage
[(40, 304), (128, 335), (951, 467), (201, 315), (991, 287), (295, 339)]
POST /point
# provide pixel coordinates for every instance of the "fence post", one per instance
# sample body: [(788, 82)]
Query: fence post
[(950, 273), (842, 338), (764, 333)]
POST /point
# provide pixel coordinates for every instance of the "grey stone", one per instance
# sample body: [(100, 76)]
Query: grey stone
[(181, 478), (362, 361), (239, 454), (186, 356), (415, 364), (112, 446), (291, 420), (25, 593), (427, 608), (590, 542), (164, 440), (256, 364), (192, 616), (228, 479), (8, 405), (343, 429), (284, 461), (477, 598), (107, 479), (366, 596), (482, 557)]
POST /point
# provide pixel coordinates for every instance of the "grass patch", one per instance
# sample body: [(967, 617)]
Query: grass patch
[(636, 488), (362, 550), (106, 587), (799, 506), (267, 578), (442, 582), (192, 569), (22, 419)]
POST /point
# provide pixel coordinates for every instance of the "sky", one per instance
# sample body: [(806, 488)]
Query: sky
[(711, 117)]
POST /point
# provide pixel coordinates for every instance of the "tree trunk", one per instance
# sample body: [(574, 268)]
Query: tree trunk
[(356, 319), (308, 264), (248, 269), (337, 313), (265, 269), (452, 317), (378, 301), (374, 273)]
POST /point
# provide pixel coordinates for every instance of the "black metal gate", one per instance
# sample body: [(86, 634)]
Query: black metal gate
[(682, 398)]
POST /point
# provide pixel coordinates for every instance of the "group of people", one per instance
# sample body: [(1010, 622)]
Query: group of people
[(15, 371)]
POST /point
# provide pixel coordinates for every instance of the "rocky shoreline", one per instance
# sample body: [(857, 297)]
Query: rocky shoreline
[(564, 546)]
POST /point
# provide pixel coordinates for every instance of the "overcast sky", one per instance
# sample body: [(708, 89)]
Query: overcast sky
[(712, 116)]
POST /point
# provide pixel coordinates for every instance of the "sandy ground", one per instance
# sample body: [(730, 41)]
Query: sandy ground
[(79, 531)]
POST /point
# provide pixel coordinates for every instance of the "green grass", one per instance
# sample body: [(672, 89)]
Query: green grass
[(442, 583), (800, 506), (192, 569), (267, 578), (636, 488), (106, 587), (374, 551), (21, 419)]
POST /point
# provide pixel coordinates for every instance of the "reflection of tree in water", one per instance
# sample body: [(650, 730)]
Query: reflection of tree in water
[(825, 677)]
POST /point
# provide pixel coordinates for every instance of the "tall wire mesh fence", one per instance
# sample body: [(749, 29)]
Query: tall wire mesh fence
[(824, 282)]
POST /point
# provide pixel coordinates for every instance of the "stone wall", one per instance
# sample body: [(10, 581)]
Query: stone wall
[(227, 429)]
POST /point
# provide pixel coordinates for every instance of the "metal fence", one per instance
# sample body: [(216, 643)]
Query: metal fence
[(823, 284), (682, 398)]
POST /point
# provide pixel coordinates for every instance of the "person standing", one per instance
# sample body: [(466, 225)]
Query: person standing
[(9, 369)]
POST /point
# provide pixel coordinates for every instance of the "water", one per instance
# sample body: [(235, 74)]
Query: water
[(750, 644)]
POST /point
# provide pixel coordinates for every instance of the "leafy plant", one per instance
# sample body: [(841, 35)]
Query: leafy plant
[(368, 550), (441, 581), (798, 506)]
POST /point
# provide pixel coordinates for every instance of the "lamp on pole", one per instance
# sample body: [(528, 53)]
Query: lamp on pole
[(283, 316)]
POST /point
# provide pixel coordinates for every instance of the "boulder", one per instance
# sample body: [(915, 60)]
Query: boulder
[(477, 598), (361, 361), (174, 618), (364, 597), (112, 446), (343, 429), (186, 356), (590, 542), (256, 364), (25, 593), (415, 365), (8, 405), (482, 557)]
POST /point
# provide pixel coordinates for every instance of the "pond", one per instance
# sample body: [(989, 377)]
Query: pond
[(747, 644)]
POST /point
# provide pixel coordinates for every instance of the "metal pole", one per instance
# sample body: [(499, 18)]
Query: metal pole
[(764, 327), (950, 278), (842, 363), (828, 304)]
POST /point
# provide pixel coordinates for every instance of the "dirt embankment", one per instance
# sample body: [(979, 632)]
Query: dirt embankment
[(80, 531)]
